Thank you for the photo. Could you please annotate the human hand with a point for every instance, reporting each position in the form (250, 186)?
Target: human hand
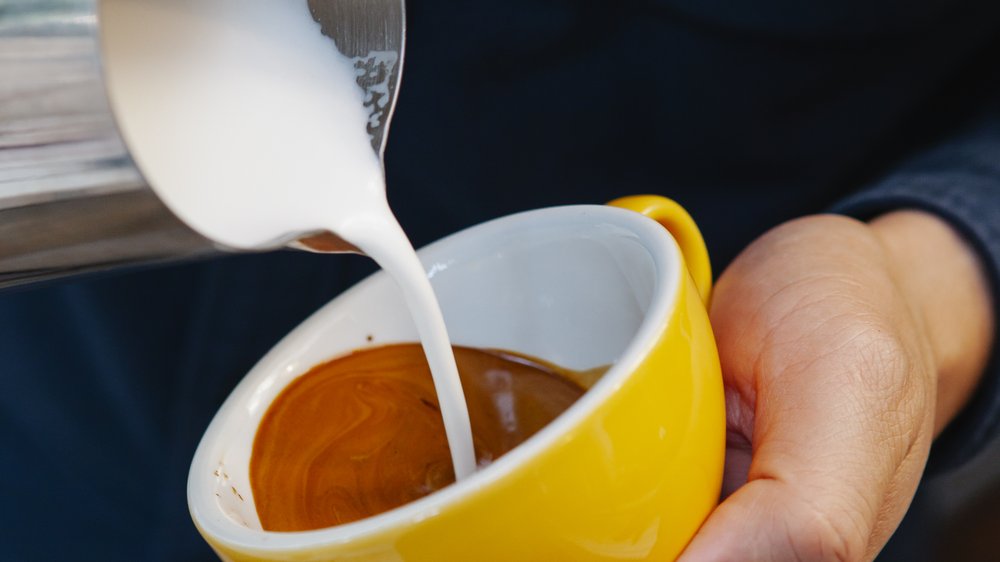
(845, 348)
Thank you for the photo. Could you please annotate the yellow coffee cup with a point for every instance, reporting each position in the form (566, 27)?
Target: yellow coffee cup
(629, 472)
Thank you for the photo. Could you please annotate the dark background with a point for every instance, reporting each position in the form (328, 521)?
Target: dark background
(748, 114)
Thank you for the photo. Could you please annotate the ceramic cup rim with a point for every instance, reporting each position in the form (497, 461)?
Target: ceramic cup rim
(668, 266)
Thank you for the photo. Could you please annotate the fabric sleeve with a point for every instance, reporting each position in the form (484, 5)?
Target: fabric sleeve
(960, 182)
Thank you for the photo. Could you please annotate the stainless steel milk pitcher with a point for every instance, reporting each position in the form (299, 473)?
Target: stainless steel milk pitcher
(71, 197)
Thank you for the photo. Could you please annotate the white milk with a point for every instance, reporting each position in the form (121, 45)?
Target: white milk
(249, 124)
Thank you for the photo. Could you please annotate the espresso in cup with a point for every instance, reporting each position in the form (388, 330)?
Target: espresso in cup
(362, 434)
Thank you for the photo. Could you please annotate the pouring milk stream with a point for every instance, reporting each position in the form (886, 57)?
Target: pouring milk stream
(249, 125)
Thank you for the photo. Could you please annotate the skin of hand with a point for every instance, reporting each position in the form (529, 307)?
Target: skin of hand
(846, 347)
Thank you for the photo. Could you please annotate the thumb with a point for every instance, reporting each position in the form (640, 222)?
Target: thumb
(833, 467)
(830, 384)
(838, 449)
(771, 520)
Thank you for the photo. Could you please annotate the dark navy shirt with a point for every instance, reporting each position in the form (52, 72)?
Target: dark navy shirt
(749, 114)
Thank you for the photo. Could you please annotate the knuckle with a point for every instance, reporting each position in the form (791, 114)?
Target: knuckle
(892, 372)
(891, 387)
(884, 364)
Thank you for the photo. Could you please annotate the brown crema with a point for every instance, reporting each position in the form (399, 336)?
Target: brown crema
(362, 434)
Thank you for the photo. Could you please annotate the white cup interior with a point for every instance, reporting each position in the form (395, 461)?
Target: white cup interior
(581, 287)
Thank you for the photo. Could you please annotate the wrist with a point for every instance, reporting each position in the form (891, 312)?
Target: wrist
(942, 279)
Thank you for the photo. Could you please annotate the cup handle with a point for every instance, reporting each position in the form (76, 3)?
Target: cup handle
(679, 223)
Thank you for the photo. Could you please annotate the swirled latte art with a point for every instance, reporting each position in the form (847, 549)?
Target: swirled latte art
(362, 434)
